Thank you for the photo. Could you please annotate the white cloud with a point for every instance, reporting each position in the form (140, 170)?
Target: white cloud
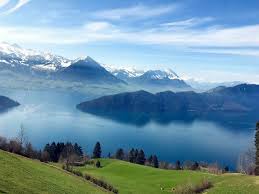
(138, 11)
(244, 39)
(188, 23)
(3, 2)
(98, 26)
(17, 6)
(247, 52)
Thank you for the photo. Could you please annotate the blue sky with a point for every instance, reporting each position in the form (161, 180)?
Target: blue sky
(206, 40)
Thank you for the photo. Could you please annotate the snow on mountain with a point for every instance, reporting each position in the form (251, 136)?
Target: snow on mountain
(20, 60)
(162, 74)
(14, 55)
(127, 72)
(130, 72)
(158, 78)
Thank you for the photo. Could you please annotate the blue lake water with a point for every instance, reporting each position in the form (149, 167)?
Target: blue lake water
(52, 116)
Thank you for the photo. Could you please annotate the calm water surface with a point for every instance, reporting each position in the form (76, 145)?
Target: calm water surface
(52, 116)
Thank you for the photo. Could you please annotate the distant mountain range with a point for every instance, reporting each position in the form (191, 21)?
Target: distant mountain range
(45, 65)
(157, 78)
(35, 63)
(6, 103)
(222, 100)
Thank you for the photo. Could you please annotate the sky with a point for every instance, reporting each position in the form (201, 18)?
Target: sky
(204, 40)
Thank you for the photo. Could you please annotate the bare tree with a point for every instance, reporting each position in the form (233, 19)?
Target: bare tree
(22, 138)
(246, 162)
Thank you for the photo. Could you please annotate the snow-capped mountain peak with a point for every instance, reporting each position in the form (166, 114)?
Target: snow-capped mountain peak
(14, 55)
(162, 74)
(16, 50)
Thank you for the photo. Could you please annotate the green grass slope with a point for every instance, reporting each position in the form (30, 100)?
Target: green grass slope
(132, 178)
(22, 175)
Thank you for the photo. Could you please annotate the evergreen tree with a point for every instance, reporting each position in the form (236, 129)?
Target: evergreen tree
(97, 150)
(155, 161)
(141, 158)
(178, 165)
(257, 150)
(195, 166)
(150, 160)
(132, 157)
(78, 150)
(119, 154)
(135, 155)
(226, 169)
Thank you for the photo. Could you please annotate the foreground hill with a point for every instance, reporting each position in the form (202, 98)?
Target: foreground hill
(137, 179)
(6, 103)
(22, 175)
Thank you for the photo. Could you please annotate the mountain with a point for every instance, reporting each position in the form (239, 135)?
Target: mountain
(238, 99)
(35, 63)
(126, 74)
(166, 78)
(17, 59)
(203, 85)
(6, 103)
(153, 78)
(87, 68)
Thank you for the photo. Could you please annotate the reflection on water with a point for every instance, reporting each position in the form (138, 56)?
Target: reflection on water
(53, 117)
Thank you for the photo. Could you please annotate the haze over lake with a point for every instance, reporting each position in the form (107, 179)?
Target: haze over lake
(51, 116)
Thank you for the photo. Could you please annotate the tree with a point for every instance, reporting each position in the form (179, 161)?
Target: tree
(141, 158)
(136, 155)
(44, 156)
(150, 160)
(132, 155)
(22, 135)
(246, 161)
(195, 166)
(155, 161)
(29, 151)
(119, 154)
(4, 143)
(97, 150)
(257, 150)
(78, 149)
(178, 165)
(226, 169)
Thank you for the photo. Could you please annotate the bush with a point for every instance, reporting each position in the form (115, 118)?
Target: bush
(99, 182)
(78, 173)
(98, 164)
(204, 185)
(193, 189)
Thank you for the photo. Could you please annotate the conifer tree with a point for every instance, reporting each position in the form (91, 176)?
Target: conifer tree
(257, 150)
(141, 158)
(132, 155)
(178, 165)
(119, 154)
(155, 161)
(97, 150)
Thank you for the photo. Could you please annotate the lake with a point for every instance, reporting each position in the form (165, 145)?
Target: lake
(51, 116)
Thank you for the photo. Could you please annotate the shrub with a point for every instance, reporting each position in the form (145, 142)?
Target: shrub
(193, 189)
(98, 164)
(78, 173)
(204, 185)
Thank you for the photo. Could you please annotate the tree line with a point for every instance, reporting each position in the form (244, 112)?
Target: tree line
(70, 153)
